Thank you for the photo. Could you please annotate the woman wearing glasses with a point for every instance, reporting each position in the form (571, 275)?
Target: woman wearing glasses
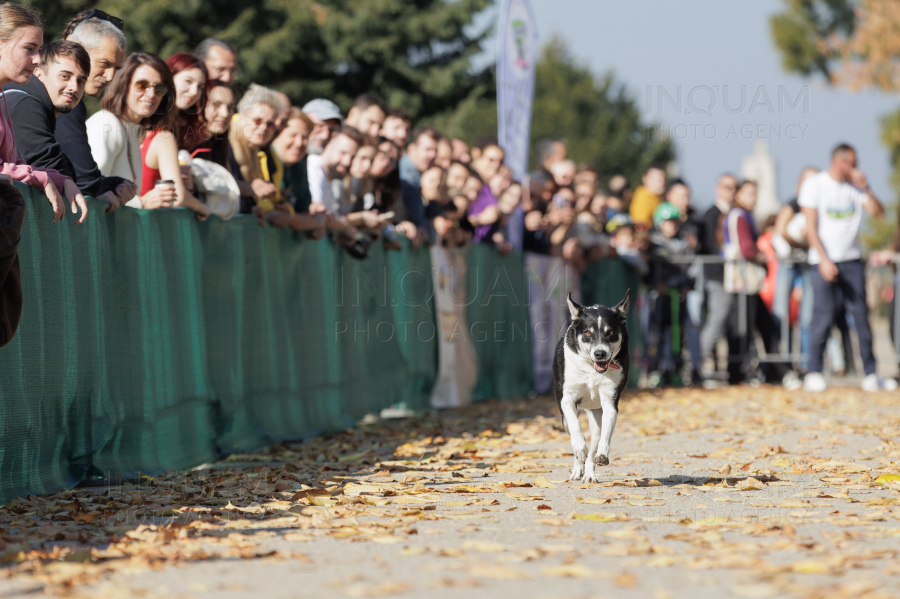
(132, 137)
(252, 129)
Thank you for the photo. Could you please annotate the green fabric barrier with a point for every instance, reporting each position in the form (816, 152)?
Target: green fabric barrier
(149, 342)
(497, 314)
(605, 282)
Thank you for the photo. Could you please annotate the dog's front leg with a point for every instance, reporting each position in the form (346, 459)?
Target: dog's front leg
(579, 447)
(608, 424)
(594, 426)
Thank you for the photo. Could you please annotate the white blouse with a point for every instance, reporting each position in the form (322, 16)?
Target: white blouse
(116, 148)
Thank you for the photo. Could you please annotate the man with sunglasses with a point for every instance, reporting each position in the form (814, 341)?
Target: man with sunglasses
(100, 34)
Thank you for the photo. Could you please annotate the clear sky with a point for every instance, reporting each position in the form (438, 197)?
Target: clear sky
(702, 46)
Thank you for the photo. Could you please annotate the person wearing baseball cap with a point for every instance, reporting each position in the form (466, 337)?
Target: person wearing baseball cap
(326, 118)
(664, 212)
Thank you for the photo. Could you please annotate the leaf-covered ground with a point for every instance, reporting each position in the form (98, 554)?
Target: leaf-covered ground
(736, 492)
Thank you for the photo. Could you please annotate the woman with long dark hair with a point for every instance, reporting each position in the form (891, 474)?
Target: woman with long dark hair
(133, 136)
(189, 76)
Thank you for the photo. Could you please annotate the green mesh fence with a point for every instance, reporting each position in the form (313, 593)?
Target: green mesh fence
(148, 342)
(497, 314)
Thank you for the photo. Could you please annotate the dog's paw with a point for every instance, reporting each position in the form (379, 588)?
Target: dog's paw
(601, 460)
(577, 471)
(589, 476)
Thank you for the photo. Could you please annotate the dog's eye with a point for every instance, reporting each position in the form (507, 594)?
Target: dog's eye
(587, 334)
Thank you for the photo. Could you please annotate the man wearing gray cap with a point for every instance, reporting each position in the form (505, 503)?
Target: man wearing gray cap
(327, 119)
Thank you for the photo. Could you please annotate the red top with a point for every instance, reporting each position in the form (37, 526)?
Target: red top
(149, 176)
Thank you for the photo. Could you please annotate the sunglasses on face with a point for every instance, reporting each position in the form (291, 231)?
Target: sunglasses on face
(142, 86)
(99, 14)
(258, 122)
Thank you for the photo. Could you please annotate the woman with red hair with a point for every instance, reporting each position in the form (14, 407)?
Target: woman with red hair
(190, 76)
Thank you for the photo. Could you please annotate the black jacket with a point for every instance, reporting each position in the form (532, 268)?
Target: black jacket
(34, 124)
(12, 214)
(709, 243)
(71, 134)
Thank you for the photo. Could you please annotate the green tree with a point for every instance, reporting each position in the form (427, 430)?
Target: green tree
(599, 121)
(415, 53)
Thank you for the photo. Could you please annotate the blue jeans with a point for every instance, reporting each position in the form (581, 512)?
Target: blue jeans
(849, 289)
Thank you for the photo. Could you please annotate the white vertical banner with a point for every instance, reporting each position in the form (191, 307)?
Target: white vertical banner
(516, 56)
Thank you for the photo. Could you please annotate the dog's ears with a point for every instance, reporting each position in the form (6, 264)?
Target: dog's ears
(622, 307)
(574, 309)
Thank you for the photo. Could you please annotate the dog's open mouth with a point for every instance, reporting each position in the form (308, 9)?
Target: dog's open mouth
(604, 366)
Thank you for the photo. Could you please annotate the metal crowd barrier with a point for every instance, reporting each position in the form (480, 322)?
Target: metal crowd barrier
(785, 355)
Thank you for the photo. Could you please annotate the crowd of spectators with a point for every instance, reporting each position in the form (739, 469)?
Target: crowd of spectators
(179, 133)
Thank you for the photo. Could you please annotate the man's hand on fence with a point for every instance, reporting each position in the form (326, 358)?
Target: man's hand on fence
(828, 270)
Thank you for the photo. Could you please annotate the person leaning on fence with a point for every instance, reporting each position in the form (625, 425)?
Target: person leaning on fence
(133, 136)
(55, 88)
(189, 75)
(21, 37)
(220, 107)
(326, 118)
(367, 114)
(252, 129)
(290, 149)
(105, 45)
(484, 212)
(421, 152)
(833, 202)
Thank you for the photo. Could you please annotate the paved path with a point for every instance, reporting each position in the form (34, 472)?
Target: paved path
(742, 492)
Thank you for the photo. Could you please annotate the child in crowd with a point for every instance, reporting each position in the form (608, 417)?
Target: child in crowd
(667, 284)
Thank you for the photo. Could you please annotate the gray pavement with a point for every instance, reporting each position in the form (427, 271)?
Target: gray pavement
(724, 493)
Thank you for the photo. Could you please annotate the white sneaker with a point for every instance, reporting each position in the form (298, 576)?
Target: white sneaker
(815, 382)
(870, 383)
(791, 381)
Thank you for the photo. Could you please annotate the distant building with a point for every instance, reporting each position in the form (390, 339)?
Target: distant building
(760, 167)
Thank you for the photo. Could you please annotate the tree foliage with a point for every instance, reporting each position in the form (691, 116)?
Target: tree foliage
(804, 30)
(415, 53)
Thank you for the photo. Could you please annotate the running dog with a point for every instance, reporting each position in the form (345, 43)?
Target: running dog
(590, 369)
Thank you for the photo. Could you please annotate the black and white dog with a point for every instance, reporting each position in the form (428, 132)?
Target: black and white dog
(590, 369)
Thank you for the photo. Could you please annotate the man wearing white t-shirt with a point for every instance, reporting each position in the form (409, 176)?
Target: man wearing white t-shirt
(833, 202)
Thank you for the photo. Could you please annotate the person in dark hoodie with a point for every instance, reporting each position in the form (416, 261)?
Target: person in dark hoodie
(56, 86)
(101, 35)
